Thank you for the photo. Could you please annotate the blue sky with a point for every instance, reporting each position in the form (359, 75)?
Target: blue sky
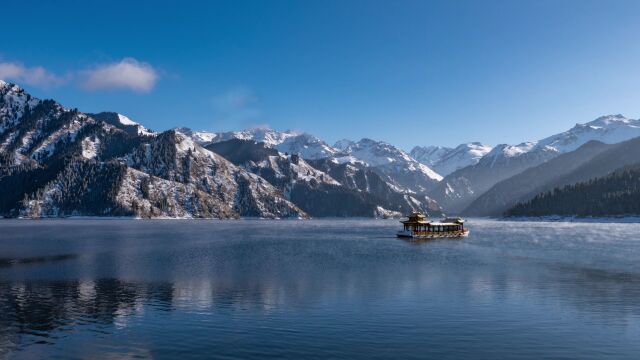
(407, 72)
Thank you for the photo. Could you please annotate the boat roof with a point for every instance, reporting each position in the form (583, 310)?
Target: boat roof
(453, 220)
(409, 221)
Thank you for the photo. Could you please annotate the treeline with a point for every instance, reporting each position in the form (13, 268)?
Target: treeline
(615, 194)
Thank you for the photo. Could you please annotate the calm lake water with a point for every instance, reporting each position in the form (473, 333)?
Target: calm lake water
(317, 289)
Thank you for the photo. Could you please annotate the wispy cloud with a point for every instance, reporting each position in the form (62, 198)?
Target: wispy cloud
(237, 98)
(128, 74)
(35, 76)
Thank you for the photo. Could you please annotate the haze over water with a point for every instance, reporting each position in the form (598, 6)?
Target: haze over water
(317, 289)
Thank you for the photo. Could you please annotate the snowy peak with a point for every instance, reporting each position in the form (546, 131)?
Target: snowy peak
(128, 122)
(475, 149)
(307, 146)
(201, 137)
(429, 155)
(606, 120)
(509, 151)
(343, 144)
(122, 122)
(13, 103)
(261, 134)
(377, 153)
(445, 160)
(396, 164)
(608, 129)
(291, 142)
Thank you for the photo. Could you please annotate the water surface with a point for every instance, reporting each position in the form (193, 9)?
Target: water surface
(317, 289)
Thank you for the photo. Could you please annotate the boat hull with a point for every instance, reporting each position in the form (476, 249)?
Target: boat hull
(432, 235)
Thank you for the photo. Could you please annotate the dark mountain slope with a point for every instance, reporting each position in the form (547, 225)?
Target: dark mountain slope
(613, 195)
(532, 181)
(313, 190)
(364, 179)
(459, 189)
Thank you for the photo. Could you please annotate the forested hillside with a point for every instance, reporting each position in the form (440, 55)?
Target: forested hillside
(614, 194)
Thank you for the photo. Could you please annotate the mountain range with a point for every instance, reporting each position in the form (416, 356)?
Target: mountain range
(56, 161)
(458, 190)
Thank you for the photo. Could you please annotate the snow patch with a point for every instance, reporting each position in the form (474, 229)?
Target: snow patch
(90, 146)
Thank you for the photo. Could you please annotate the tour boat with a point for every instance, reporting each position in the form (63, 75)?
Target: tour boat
(418, 226)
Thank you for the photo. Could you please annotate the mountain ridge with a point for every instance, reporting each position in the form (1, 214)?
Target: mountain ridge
(42, 142)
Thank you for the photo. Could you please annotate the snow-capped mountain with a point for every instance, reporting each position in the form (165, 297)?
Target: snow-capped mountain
(312, 186)
(343, 144)
(429, 155)
(460, 188)
(359, 177)
(57, 162)
(608, 129)
(31, 129)
(290, 142)
(446, 160)
(396, 166)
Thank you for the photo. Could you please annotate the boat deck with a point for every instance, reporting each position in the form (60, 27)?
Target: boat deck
(433, 234)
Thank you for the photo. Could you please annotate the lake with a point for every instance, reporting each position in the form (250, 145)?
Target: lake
(347, 289)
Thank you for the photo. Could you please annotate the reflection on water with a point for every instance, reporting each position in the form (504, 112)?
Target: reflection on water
(317, 289)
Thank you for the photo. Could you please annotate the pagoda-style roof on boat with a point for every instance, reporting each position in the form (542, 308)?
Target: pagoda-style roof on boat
(415, 218)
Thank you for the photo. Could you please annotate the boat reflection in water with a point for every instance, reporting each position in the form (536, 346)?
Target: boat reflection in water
(417, 226)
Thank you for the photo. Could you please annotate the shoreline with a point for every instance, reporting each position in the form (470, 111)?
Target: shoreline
(578, 219)
(133, 218)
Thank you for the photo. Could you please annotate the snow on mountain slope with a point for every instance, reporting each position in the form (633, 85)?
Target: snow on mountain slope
(366, 180)
(608, 129)
(175, 157)
(307, 146)
(122, 122)
(446, 160)
(397, 167)
(71, 163)
(30, 128)
(429, 155)
(343, 144)
(201, 137)
(128, 122)
(13, 103)
(379, 153)
(309, 186)
(280, 169)
(463, 186)
(290, 142)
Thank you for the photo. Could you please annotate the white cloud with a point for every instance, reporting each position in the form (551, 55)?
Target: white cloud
(35, 76)
(128, 74)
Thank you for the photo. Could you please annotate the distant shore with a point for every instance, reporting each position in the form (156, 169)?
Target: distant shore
(581, 219)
